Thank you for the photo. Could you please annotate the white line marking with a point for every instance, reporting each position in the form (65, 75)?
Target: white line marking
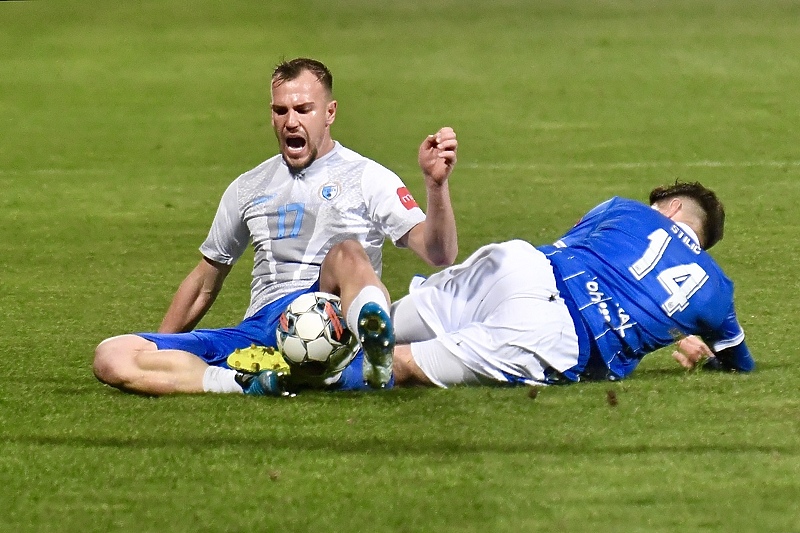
(631, 165)
(622, 165)
(101, 171)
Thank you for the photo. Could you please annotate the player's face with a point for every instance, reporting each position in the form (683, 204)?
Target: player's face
(302, 113)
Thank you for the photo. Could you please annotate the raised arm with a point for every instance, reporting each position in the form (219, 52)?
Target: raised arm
(194, 296)
(436, 240)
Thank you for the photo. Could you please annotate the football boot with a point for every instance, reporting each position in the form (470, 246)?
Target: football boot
(376, 335)
(257, 358)
(264, 383)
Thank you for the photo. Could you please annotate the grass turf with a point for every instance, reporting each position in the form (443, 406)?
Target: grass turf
(120, 125)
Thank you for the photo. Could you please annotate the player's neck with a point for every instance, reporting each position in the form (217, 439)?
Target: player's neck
(689, 230)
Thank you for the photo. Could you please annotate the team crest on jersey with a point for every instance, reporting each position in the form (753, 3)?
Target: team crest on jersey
(329, 191)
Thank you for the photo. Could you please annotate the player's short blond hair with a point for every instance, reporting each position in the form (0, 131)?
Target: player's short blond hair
(292, 69)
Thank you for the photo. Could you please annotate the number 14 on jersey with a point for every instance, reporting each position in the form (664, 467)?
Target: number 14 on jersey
(680, 282)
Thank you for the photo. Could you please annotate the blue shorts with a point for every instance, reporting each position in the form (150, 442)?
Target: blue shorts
(215, 345)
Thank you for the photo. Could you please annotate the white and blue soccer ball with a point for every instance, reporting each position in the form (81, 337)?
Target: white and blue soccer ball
(312, 335)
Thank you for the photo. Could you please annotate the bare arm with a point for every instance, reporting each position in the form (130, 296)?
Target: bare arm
(436, 240)
(194, 296)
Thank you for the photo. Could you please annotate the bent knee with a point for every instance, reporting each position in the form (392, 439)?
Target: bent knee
(347, 251)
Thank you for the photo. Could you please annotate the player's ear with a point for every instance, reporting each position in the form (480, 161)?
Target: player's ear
(330, 112)
(673, 207)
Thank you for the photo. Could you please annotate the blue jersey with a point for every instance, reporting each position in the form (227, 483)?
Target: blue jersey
(639, 281)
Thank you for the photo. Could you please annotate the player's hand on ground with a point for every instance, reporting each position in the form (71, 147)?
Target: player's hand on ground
(691, 350)
(437, 156)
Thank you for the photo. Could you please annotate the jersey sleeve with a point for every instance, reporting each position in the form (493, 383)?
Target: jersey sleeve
(390, 204)
(229, 236)
(735, 359)
(728, 334)
(727, 342)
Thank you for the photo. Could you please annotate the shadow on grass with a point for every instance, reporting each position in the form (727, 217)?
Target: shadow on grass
(677, 371)
(430, 446)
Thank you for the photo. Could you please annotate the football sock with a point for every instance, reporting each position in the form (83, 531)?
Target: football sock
(370, 293)
(218, 379)
(352, 377)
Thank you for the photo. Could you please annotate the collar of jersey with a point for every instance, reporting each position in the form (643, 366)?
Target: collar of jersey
(688, 230)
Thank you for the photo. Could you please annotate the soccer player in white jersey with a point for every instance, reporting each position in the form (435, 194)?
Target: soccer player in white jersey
(626, 280)
(314, 198)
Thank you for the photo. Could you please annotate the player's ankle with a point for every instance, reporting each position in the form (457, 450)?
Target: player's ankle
(218, 379)
(370, 293)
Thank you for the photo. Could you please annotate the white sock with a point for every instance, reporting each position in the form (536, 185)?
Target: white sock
(218, 379)
(370, 293)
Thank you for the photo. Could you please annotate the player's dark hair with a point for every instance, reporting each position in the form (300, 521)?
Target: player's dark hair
(290, 70)
(714, 220)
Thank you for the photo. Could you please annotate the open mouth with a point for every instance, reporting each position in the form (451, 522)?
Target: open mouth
(295, 143)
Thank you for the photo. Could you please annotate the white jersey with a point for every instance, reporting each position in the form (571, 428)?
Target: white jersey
(499, 312)
(294, 220)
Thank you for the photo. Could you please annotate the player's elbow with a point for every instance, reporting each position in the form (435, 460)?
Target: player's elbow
(444, 259)
(437, 248)
(442, 254)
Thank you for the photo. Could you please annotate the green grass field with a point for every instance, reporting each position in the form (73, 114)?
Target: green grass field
(122, 123)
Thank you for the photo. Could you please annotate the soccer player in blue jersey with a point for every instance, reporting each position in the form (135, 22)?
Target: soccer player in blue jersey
(315, 198)
(628, 279)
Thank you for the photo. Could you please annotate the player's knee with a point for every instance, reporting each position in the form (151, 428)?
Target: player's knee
(103, 365)
(110, 359)
(345, 262)
(348, 254)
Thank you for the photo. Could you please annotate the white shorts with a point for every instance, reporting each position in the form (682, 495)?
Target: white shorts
(497, 317)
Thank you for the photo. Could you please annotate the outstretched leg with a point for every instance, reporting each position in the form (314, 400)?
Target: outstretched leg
(134, 364)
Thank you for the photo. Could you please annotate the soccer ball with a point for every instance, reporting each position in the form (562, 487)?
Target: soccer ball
(313, 337)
